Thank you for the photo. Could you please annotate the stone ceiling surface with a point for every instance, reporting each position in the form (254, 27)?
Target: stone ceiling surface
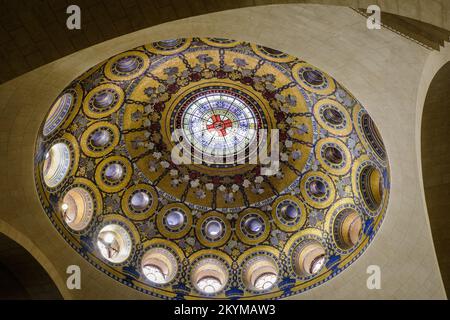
(33, 33)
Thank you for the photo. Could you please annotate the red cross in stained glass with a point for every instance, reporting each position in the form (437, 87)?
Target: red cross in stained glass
(219, 125)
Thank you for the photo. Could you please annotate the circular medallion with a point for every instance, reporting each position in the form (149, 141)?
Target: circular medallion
(369, 134)
(272, 54)
(371, 185)
(213, 229)
(115, 240)
(139, 202)
(113, 174)
(209, 273)
(333, 155)
(220, 42)
(312, 79)
(318, 189)
(63, 110)
(345, 223)
(332, 116)
(103, 100)
(260, 271)
(127, 66)
(168, 47)
(289, 213)
(99, 139)
(252, 226)
(174, 220)
(59, 162)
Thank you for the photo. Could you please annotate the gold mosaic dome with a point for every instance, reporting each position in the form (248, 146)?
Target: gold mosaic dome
(285, 185)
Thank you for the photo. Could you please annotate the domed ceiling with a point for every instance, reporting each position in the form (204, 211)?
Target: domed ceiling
(212, 168)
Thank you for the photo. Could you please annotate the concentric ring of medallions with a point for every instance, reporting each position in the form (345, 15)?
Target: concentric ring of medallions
(272, 54)
(200, 114)
(63, 110)
(88, 146)
(73, 155)
(144, 120)
(169, 47)
(244, 235)
(202, 232)
(116, 219)
(368, 133)
(127, 65)
(339, 168)
(281, 221)
(252, 253)
(103, 100)
(174, 232)
(314, 200)
(220, 42)
(175, 250)
(108, 185)
(97, 203)
(340, 129)
(330, 219)
(147, 210)
(312, 79)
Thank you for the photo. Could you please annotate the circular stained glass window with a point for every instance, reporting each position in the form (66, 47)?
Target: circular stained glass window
(114, 243)
(209, 276)
(77, 208)
(219, 123)
(58, 113)
(159, 266)
(56, 164)
(261, 273)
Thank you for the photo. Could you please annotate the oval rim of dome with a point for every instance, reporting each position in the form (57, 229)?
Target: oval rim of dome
(314, 210)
